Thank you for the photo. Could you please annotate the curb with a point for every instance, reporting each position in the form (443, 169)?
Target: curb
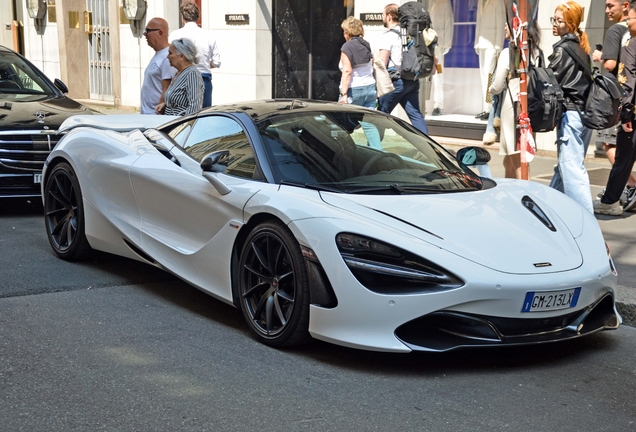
(626, 304)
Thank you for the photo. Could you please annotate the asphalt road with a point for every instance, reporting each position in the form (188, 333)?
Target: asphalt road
(116, 345)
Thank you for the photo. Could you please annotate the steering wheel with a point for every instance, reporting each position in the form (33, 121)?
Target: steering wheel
(375, 159)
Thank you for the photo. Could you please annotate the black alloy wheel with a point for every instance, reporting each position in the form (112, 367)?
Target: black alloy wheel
(273, 286)
(64, 214)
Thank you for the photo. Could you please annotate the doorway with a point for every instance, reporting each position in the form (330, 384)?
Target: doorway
(306, 46)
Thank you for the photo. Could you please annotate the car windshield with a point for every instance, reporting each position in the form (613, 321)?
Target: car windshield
(359, 152)
(19, 80)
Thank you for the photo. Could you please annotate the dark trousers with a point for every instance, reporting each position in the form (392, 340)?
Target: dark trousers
(407, 94)
(625, 156)
(207, 89)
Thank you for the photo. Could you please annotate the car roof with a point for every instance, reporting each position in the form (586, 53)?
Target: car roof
(262, 109)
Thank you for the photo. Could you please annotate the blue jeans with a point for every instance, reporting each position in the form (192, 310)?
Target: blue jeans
(495, 110)
(363, 96)
(407, 94)
(366, 96)
(570, 175)
(207, 89)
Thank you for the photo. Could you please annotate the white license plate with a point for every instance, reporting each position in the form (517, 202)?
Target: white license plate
(540, 301)
(37, 178)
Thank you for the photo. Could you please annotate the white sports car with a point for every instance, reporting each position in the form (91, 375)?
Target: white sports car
(333, 222)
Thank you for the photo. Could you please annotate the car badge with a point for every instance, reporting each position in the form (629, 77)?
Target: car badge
(543, 264)
(40, 116)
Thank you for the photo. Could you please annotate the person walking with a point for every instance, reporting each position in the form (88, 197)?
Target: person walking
(207, 50)
(356, 64)
(185, 93)
(158, 72)
(507, 88)
(407, 92)
(610, 56)
(573, 138)
(609, 203)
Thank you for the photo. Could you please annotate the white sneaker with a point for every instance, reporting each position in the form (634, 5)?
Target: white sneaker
(614, 209)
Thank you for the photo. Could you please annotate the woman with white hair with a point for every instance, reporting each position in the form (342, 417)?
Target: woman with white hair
(185, 93)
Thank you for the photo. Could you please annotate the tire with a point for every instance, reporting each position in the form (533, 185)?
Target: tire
(273, 286)
(64, 214)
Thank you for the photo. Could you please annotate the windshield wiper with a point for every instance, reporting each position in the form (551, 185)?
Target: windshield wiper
(399, 189)
(311, 186)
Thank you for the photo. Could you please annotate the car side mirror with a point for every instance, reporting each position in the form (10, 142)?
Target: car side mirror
(475, 156)
(60, 85)
(213, 164)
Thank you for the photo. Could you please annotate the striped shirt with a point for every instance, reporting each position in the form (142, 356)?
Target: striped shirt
(185, 93)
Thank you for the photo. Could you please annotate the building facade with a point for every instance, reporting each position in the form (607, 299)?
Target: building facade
(269, 48)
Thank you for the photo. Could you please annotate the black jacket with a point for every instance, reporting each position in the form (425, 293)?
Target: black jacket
(574, 81)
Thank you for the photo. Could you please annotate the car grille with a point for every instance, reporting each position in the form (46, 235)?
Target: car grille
(446, 330)
(26, 151)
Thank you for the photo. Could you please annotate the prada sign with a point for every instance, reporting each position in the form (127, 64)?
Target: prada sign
(371, 18)
(237, 19)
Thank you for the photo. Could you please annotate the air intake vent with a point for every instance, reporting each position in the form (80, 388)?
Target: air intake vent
(536, 210)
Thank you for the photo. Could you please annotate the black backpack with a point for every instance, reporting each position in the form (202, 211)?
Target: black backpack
(604, 99)
(417, 57)
(545, 97)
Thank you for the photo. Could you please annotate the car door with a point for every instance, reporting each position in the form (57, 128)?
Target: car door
(187, 225)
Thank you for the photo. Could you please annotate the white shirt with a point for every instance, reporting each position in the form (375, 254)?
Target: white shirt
(392, 42)
(206, 45)
(158, 69)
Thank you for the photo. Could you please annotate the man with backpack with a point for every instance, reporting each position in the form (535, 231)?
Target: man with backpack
(609, 57)
(609, 203)
(407, 92)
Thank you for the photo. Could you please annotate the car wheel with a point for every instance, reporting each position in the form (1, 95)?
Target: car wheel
(64, 214)
(273, 287)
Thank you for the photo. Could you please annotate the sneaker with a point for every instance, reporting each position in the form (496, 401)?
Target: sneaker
(437, 112)
(600, 194)
(609, 209)
(630, 198)
(482, 115)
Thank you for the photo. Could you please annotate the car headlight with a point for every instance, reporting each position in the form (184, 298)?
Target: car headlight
(386, 269)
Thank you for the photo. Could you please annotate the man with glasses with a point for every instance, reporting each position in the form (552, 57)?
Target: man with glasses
(158, 73)
(609, 57)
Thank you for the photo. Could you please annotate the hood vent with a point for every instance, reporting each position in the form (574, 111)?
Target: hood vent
(536, 210)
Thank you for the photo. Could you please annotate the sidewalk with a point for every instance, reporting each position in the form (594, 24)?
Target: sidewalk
(619, 232)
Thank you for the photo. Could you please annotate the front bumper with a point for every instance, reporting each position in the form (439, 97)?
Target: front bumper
(447, 330)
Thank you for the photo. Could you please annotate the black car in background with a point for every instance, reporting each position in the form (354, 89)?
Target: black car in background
(31, 110)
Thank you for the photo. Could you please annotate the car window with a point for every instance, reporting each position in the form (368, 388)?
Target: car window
(357, 151)
(215, 133)
(180, 132)
(18, 78)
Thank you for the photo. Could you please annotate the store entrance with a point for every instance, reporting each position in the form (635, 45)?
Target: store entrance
(307, 38)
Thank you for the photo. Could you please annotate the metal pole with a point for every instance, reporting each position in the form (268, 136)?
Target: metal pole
(523, 66)
(310, 63)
